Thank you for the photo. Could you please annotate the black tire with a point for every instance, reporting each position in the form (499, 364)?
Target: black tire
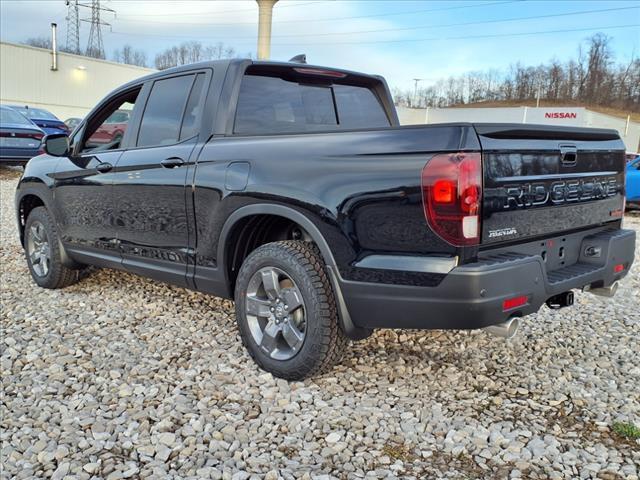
(324, 340)
(58, 275)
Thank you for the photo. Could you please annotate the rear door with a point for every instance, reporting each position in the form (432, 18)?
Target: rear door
(541, 180)
(151, 215)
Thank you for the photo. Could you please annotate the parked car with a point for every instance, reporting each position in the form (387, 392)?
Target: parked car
(633, 183)
(20, 138)
(293, 190)
(630, 156)
(112, 129)
(44, 119)
(72, 123)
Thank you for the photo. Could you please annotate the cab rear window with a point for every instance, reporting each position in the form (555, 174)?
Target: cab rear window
(274, 104)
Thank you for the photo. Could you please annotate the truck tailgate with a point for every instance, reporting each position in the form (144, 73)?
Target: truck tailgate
(541, 180)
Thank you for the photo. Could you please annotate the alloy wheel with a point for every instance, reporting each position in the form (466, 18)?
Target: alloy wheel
(275, 313)
(38, 249)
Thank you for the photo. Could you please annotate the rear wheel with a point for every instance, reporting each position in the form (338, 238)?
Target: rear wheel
(286, 311)
(42, 250)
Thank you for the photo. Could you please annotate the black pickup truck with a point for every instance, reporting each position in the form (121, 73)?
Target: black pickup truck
(292, 189)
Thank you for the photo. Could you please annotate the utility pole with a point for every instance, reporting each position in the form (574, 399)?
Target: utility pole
(415, 88)
(95, 47)
(73, 27)
(265, 13)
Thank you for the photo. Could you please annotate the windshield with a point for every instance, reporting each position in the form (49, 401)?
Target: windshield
(37, 113)
(10, 116)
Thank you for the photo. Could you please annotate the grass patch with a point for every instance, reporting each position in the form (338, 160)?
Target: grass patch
(626, 430)
(398, 452)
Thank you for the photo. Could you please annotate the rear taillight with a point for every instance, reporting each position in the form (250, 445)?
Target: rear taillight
(452, 192)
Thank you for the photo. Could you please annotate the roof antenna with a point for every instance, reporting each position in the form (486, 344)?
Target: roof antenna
(302, 58)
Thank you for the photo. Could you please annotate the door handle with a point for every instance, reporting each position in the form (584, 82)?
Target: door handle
(172, 162)
(104, 167)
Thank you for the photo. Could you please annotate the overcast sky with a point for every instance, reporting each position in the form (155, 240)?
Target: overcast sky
(399, 39)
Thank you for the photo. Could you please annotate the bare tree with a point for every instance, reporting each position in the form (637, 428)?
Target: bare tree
(44, 42)
(192, 52)
(127, 54)
(592, 78)
(40, 42)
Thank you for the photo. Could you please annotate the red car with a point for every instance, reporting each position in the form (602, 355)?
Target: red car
(113, 128)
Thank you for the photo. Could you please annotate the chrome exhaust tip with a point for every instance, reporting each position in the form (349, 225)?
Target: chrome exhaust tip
(505, 329)
(609, 291)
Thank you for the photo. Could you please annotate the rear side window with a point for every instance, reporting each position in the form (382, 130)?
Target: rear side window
(269, 104)
(194, 107)
(162, 116)
(358, 107)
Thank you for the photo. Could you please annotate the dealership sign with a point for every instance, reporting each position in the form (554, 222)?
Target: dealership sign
(575, 116)
(560, 115)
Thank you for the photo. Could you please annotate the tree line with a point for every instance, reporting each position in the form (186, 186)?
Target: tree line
(182, 54)
(193, 52)
(593, 77)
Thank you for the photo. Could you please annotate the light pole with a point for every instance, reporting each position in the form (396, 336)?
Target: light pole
(264, 28)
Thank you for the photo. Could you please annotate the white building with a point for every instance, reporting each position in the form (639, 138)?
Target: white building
(579, 117)
(79, 83)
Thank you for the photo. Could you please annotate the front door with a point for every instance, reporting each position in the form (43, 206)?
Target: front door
(151, 216)
(83, 188)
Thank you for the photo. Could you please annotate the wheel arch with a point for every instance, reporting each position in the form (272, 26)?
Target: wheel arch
(34, 196)
(312, 230)
(27, 199)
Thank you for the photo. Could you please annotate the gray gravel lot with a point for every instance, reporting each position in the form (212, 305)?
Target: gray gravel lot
(122, 377)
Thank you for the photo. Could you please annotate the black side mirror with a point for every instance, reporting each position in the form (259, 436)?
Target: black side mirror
(56, 144)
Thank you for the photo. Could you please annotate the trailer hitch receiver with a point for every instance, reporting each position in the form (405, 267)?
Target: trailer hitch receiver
(561, 300)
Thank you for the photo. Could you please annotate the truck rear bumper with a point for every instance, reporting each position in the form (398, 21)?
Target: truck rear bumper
(473, 295)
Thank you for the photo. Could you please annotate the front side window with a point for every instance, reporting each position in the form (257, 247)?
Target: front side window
(163, 113)
(271, 104)
(107, 129)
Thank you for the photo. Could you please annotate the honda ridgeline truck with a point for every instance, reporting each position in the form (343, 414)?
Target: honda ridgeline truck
(293, 190)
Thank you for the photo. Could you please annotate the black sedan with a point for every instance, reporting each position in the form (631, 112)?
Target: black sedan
(20, 138)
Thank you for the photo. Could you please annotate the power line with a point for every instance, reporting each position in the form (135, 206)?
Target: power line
(463, 37)
(200, 14)
(308, 20)
(478, 22)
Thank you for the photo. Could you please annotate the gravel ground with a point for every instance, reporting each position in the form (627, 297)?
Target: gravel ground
(122, 377)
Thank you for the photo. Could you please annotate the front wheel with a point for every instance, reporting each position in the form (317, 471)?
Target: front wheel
(286, 310)
(42, 250)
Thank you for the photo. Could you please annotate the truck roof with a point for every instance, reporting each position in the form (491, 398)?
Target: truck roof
(240, 61)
